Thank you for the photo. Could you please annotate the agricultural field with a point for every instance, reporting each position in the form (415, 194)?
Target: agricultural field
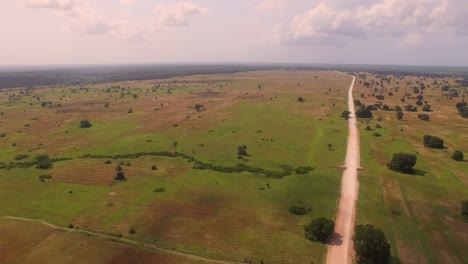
(419, 212)
(212, 165)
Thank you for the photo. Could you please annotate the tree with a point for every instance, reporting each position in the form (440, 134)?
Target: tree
(43, 162)
(346, 114)
(119, 176)
(330, 147)
(85, 124)
(371, 245)
(464, 208)
(402, 162)
(176, 144)
(457, 155)
(433, 142)
(242, 150)
(320, 229)
(300, 99)
(364, 113)
(399, 115)
(424, 117)
(199, 107)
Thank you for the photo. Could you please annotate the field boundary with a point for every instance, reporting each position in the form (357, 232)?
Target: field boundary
(126, 241)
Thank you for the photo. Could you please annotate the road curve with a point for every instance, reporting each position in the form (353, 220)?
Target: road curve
(340, 250)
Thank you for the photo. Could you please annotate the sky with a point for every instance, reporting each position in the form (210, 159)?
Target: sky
(396, 32)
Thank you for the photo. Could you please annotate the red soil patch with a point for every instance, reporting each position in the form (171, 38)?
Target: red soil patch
(93, 172)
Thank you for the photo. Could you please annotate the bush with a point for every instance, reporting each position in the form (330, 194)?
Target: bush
(427, 108)
(154, 167)
(464, 210)
(411, 108)
(298, 210)
(21, 156)
(377, 134)
(158, 190)
(457, 155)
(345, 114)
(423, 117)
(371, 245)
(399, 115)
(300, 99)
(45, 177)
(320, 229)
(402, 162)
(433, 142)
(303, 170)
(132, 231)
(43, 162)
(364, 113)
(85, 124)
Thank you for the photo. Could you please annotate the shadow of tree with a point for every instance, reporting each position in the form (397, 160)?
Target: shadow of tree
(336, 239)
(419, 172)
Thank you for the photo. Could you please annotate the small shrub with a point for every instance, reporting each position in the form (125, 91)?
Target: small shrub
(377, 134)
(303, 170)
(154, 167)
(132, 231)
(85, 124)
(45, 177)
(457, 155)
(378, 126)
(21, 156)
(159, 190)
(298, 210)
(423, 117)
(108, 162)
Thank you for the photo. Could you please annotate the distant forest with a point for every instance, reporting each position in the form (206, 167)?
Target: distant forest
(33, 76)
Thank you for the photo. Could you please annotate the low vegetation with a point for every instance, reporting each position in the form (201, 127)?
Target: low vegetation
(433, 142)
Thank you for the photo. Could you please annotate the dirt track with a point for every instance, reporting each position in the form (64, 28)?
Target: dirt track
(341, 249)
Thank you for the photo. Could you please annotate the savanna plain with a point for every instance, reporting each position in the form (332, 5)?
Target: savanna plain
(212, 165)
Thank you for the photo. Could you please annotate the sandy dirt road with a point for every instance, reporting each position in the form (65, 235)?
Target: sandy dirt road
(341, 251)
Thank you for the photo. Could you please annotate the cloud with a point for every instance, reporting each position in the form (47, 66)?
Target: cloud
(177, 15)
(336, 24)
(84, 20)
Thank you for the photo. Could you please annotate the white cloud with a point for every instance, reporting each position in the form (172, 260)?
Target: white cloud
(167, 16)
(84, 20)
(325, 24)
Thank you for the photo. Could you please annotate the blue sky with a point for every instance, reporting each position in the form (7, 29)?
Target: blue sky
(409, 32)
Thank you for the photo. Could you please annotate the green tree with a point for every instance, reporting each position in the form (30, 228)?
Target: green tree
(242, 150)
(402, 162)
(85, 124)
(371, 245)
(320, 229)
(433, 142)
(399, 115)
(457, 155)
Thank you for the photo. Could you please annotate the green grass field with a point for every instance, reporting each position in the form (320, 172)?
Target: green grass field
(420, 214)
(226, 216)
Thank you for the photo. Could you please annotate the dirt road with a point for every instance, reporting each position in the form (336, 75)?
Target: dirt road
(341, 249)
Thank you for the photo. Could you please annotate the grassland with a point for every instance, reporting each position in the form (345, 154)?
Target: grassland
(419, 213)
(225, 216)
